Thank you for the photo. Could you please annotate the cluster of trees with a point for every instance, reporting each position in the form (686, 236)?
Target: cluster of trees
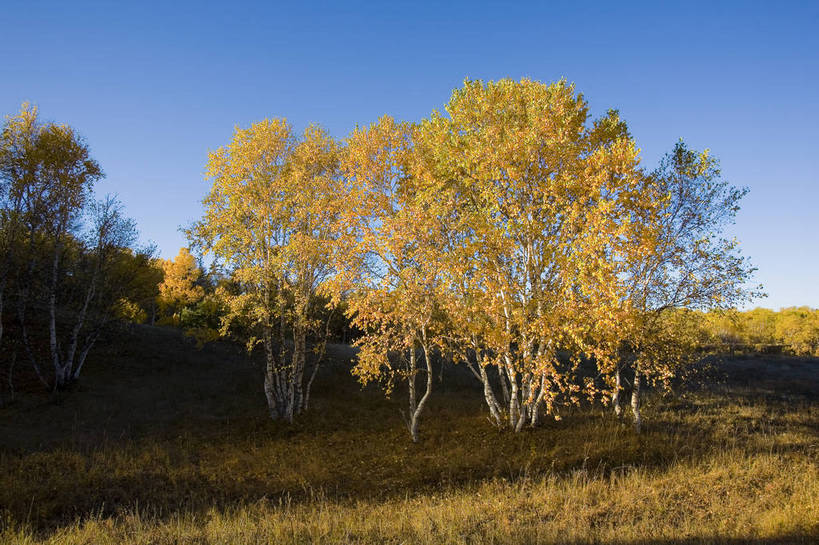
(69, 267)
(511, 233)
(792, 330)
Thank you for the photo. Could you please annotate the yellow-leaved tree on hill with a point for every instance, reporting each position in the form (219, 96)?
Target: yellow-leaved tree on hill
(179, 288)
(66, 258)
(269, 220)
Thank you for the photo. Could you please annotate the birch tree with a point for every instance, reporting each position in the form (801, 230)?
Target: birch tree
(18, 166)
(97, 289)
(268, 219)
(49, 176)
(67, 174)
(58, 244)
(692, 265)
(541, 201)
(388, 258)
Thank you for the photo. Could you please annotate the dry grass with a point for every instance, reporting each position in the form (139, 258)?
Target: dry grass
(164, 444)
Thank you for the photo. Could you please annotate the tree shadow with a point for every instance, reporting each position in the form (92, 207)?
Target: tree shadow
(186, 431)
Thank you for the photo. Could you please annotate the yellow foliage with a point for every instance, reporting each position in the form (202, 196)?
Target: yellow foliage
(129, 311)
(179, 288)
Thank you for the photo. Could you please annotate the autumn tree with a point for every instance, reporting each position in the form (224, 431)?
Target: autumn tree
(793, 330)
(19, 166)
(692, 265)
(48, 175)
(268, 218)
(179, 288)
(146, 273)
(58, 245)
(386, 258)
(798, 328)
(759, 327)
(539, 202)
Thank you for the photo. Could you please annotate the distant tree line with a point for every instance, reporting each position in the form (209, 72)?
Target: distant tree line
(793, 331)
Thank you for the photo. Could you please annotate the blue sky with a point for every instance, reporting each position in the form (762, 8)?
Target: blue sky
(154, 86)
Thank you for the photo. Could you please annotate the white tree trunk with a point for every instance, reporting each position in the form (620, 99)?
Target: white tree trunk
(313, 373)
(525, 412)
(59, 372)
(635, 402)
(536, 406)
(269, 378)
(504, 385)
(514, 404)
(489, 396)
(84, 354)
(284, 384)
(75, 332)
(411, 369)
(416, 410)
(615, 396)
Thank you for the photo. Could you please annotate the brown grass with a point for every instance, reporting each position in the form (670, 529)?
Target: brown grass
(166, 444)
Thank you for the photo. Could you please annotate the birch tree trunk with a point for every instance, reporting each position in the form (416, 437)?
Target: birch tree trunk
(313, 374)
(269, 380)
(615, 396)
(68, 364)
(536, 407)
(514, 407)
(525, 405)
(416, 410)
(284, 383)
(489, 396)
(84, 354)
(411, 368)
(635, 402)
(59, 372)
(319, 357)
(504, 386)
(417, 415)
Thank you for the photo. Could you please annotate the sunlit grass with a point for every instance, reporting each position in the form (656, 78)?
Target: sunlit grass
(731, 496)
(177, 449)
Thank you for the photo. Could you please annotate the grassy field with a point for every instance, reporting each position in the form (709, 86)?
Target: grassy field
(165, 444)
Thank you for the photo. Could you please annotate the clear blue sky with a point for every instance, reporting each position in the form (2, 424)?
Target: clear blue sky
(154, 86)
